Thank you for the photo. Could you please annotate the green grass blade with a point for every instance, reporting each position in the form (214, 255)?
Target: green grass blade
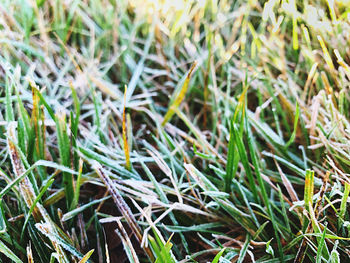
(8, 253)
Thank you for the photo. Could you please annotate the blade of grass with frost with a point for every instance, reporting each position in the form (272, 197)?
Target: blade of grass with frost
(202, 155)
(296, 118)
(80, 209)
(125, 139)
(180, 19)
(163, 198)
(342, 102)
(230, 208)
(284, 210)
(9, 109)
(140, 66)
(8, 253)
(321, 245)
(3, 225)
(58, 241)
(344, 200)
(24, 47)
(262, 128)
(97, 101)
(206, 228)
(279, 100)
(64, 150)
(243, 251)
(244, 158)
(31, 209)
(180, 97)
(278, 126)
(256, 44)
(334, 256)
(24, 116)
(242, 193)
(318, 234)
(287, 163)
(209, 36)
(26, 134)
(30, 169)
(75, 124)
(90, 155)
(18, 155)
(129, 131)
(127, 245)
(198, 134)
(232, 155)
(77, 185)
(256, 165)
(37, 242)
(14, 243)
(176, 165)
(122, 206)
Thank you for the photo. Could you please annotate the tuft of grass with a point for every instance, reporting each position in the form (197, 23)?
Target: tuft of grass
(114, 149)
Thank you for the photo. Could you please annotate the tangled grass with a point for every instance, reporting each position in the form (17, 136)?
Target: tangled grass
(174, 131)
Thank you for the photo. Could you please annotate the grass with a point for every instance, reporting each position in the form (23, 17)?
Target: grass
(174, 131)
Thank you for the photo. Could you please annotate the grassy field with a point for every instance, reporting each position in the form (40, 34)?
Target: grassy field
(174, 131)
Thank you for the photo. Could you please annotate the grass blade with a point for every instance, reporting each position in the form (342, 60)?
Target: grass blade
(125, 140)
(179, 98)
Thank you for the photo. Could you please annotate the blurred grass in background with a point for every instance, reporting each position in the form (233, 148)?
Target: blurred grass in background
(174, 131)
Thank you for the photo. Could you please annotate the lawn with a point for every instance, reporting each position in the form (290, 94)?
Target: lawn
(174, 131)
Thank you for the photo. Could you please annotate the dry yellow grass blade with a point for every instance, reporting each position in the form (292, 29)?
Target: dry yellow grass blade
(35, 115)
(309, 189)
(125, 140)
(241, 104)
(180, 97)
(87, 256)
(328, 60)
(30, 254)
(327, 57)
(328, 87)
(332, 12)
(341, 62)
